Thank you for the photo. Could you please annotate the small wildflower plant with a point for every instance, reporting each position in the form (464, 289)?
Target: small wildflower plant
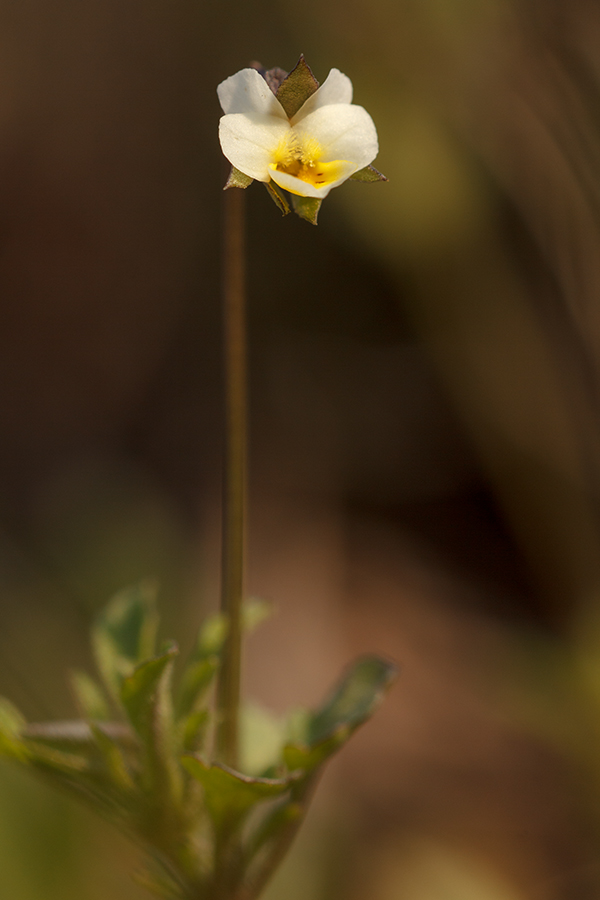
(141, 753)
(295, 136)
(178, 764)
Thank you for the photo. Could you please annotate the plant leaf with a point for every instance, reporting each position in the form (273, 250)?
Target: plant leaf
(229, 795)
(125, 634)
(89, 697)
(12, 724)
(352, 702)
(306, 207)
(205, 658)
(295, 90)
(146, 696)
(237, 179)
(368, 174)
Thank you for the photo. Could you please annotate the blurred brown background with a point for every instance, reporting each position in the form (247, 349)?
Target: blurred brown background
(425, 419)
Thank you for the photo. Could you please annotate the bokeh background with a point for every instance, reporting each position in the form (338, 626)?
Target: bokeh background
(425, 434)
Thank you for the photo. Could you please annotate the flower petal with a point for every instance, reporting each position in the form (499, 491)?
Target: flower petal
(248, 92)
(249, 142)
(337, 88)
(343, 132)
(304, 188)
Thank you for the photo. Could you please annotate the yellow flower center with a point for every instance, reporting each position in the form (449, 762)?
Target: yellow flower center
(300, 155)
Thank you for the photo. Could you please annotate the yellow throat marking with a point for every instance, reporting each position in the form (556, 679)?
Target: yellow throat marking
(300, 155)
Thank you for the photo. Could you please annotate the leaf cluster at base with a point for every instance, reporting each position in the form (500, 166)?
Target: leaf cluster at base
(140, 753)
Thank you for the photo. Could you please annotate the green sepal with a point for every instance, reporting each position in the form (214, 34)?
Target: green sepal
(237, 179)
(295, 90)
(306, 207)
(125, 634)
(352, 702)
(89, 697)
(278, 197)
(368, 174)
(229, 796)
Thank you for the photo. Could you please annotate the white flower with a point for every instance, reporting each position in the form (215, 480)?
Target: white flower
(327, 140)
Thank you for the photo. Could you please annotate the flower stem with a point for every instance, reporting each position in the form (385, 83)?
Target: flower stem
(234, 489)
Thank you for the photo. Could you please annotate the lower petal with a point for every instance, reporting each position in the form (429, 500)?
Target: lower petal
(321, 179)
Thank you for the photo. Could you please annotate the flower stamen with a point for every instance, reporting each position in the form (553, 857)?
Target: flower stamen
(299, 155)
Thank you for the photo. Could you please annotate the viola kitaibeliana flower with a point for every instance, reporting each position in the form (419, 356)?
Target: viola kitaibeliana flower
(291, 134)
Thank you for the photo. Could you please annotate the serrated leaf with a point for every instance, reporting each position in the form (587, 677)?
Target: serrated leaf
(278, 197)
(299, 756)
(306, 207)
(89, 697)
(352, 702)
(355, 699)
(237, 179)
(229, 795)
(140, 691)
(125, 634)
(146, 697)
(368, 174)
(295, 90)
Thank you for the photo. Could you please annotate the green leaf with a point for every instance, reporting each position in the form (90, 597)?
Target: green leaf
(237, 179)
(295, 90)
(113, 757)
(278, 197)
(89, 697)
(368, 174)
(125, 634)
(229, 795)
(12, 724)
(204, 660)
(140, 691)
(352, 702)
(146, 697)
(306, 207)
(194, 731)
(308, 758)
(355, 699)
(195, 681)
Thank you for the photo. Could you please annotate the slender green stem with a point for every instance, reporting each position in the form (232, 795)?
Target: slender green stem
(234, 490)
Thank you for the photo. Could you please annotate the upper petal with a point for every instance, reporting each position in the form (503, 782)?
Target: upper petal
(249, 141)
(337, 88)
(343, 132)
(248, 92)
